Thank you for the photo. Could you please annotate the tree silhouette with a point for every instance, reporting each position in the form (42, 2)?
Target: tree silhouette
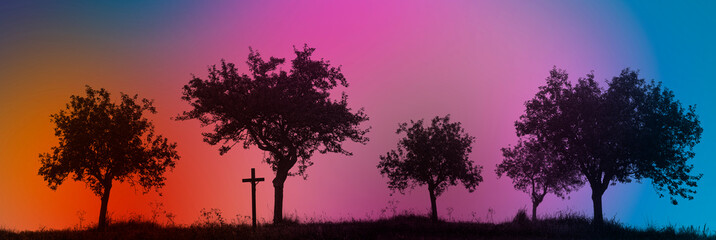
(630, 131)
(537, 169)
(102, 142)
(288, 114)
(436, 156)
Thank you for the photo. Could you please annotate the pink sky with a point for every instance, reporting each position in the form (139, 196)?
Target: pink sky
(478, 61)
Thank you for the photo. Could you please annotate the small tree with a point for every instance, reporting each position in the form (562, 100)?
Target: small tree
(288, 114)
(436, 156)
(102, 142)
(537, 170)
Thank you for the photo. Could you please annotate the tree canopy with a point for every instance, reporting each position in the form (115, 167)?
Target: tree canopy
(287, 114)
(436, 156)
(101, 142)
(632, 130)
(537, 169)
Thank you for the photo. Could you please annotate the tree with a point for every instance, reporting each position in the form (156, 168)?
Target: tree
(288, 114)
(436, 156)
(102, 142)
(631, 131)
(537, 170)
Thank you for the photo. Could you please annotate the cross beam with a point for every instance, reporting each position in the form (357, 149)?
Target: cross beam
(253, 180)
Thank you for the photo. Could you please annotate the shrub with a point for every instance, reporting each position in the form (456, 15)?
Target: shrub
(521, 217)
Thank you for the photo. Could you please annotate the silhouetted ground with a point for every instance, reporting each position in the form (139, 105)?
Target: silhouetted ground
(401, 227)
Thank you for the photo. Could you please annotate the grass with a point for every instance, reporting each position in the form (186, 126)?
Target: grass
(562, 226)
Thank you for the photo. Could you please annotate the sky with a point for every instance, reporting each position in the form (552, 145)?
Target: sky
(478, 61)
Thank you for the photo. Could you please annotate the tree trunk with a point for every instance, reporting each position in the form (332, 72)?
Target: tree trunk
(278, 196)
(103, 209)
(536, 200)
(433, 204)
(597, 193)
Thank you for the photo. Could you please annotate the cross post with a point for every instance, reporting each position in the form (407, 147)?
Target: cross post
(253, 180)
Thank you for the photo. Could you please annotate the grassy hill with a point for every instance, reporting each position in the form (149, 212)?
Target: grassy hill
(400, 227)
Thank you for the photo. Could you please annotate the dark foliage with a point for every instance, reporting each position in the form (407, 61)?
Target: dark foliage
(288, 114)
(436, 156)
(102, 142)
(630, 131)
(537, 169)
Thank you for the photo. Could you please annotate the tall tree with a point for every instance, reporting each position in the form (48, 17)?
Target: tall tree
(288, 114)
(632, 130)
(537, 169)
(102, 142)
(436, 156)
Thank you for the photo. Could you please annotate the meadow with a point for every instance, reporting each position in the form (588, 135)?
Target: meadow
(409, 226)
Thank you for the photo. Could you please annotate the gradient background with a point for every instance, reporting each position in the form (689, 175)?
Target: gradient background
(479, 61)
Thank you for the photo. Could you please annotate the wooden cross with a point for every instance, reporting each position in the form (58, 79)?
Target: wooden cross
(253, 180)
